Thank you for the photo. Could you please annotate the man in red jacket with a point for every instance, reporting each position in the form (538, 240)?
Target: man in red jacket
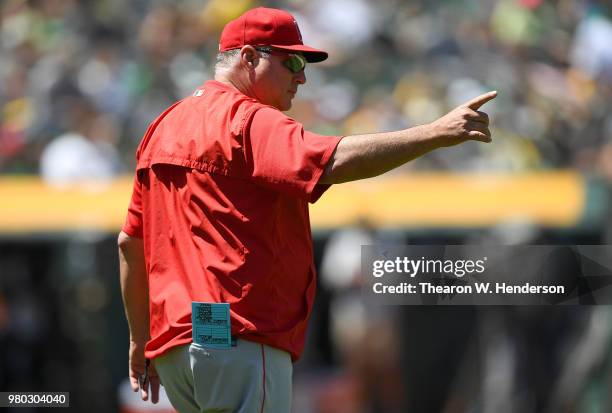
(219, 215)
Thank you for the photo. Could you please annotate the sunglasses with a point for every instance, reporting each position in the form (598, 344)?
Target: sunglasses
(294, 62)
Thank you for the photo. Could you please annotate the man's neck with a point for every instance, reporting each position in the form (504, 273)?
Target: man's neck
(235, 81)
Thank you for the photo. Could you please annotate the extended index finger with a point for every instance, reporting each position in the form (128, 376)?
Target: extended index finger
(477, 102)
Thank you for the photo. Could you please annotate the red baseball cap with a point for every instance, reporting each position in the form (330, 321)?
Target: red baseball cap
(268, 27)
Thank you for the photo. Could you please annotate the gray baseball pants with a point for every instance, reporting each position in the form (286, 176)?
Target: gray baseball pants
(248, 378)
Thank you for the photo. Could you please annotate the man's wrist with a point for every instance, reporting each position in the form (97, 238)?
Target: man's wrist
(430, 136)
(140, 341)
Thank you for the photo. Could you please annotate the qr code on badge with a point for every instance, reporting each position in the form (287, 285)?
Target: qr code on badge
(204, 313)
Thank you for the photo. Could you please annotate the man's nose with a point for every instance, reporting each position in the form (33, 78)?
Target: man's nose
(300, 77)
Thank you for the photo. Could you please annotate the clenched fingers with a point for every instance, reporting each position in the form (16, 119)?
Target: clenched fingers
(479, 131)
(478, 116)
(479, 136)
(477, 126)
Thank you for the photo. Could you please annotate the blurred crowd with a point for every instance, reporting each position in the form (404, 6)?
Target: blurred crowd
(81, 80)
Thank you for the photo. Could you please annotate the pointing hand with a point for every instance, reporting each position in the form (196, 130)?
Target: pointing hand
(464, 123)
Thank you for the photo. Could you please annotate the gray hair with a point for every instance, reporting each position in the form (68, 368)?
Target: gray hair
(226, 59)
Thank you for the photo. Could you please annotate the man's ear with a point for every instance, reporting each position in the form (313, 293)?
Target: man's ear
(249, 56)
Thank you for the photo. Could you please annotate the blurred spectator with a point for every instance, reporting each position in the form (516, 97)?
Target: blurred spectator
(87, 152)
(363, 337)
(73, 158)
